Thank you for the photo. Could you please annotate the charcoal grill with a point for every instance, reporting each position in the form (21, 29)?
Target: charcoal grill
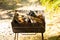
(28, 27)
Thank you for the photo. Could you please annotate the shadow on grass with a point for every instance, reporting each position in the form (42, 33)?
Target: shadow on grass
(8, 7)
(54, 38)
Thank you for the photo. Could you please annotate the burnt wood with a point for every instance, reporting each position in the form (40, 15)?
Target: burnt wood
(27, 27)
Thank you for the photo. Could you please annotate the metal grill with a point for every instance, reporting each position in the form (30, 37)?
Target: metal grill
(28, 27)
(19, 26)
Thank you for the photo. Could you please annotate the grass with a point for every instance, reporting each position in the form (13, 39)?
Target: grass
(54, 38)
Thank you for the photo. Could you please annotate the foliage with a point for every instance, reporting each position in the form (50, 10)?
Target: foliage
(52, 7)
(50, 4)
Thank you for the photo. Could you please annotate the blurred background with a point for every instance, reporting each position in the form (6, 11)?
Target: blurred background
(51, 12)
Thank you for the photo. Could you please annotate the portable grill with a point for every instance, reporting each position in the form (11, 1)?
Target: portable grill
(27, 21)
(28, 27)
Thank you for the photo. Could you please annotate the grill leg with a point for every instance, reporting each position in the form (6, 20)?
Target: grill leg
(42, 36)
(16, 36)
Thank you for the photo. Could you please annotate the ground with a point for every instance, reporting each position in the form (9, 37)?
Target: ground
(51, 33)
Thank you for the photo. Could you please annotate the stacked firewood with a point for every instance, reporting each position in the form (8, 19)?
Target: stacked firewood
(29, 18)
